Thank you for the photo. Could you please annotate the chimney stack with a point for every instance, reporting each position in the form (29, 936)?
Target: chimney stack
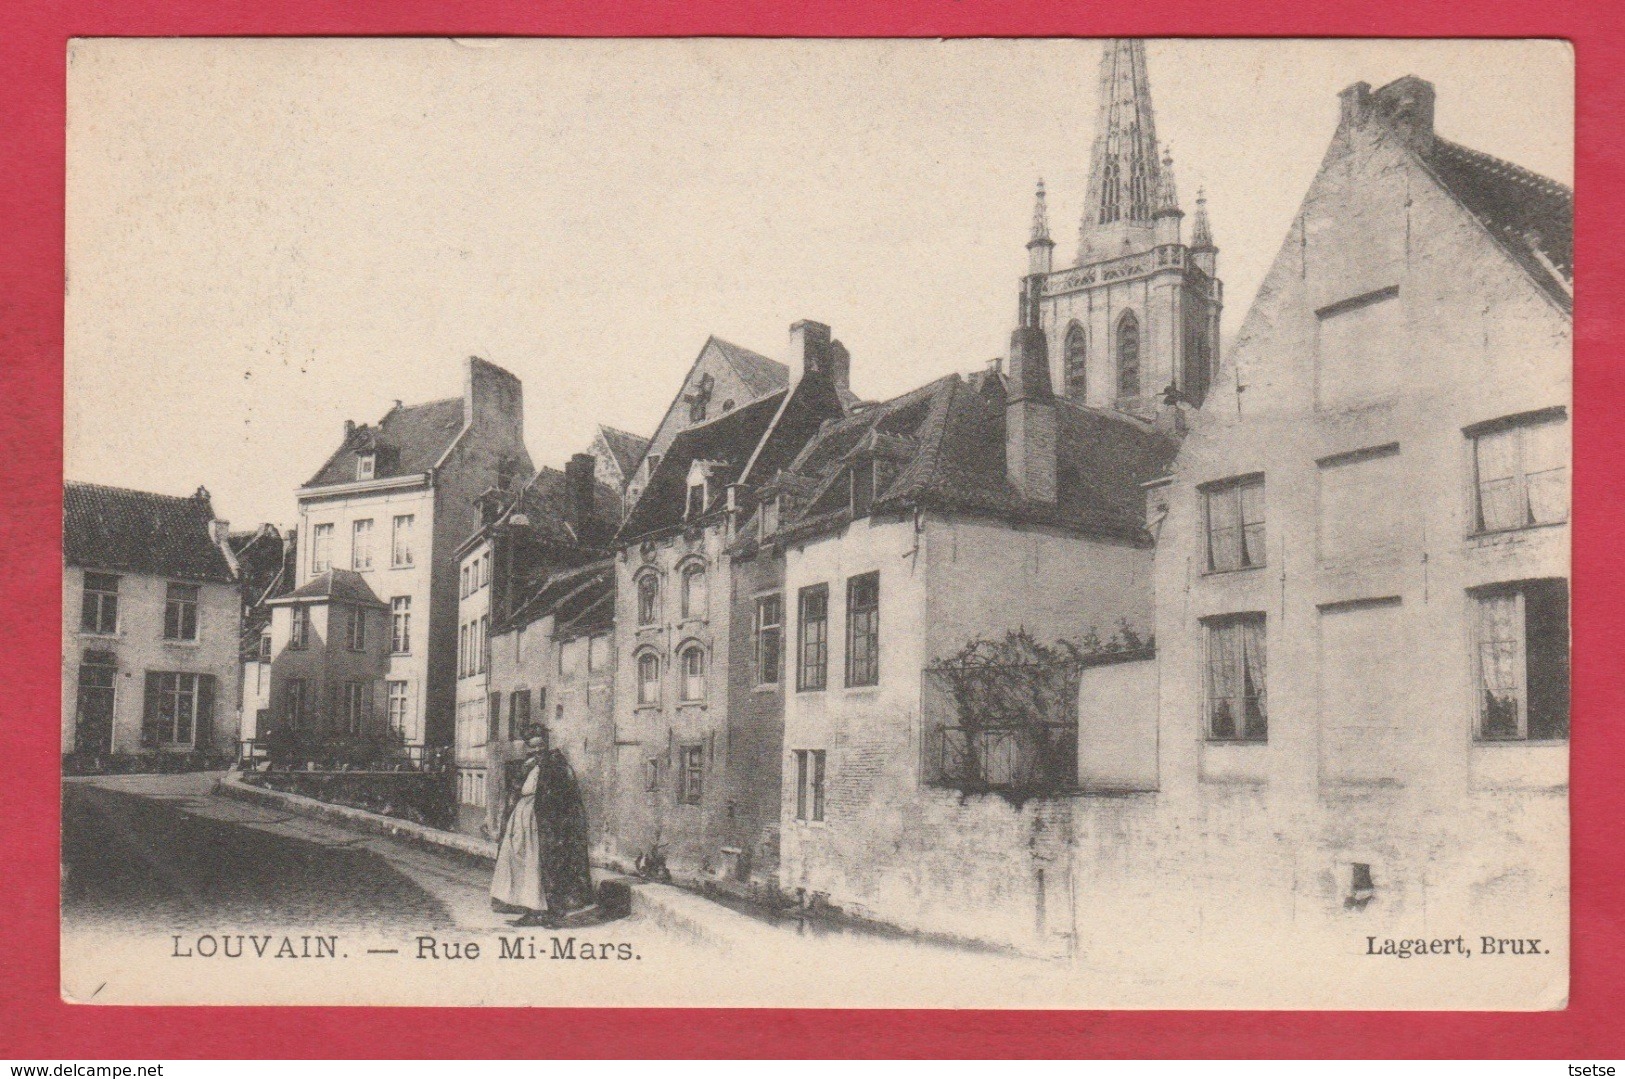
(1030, 426)
(812, 349)
(1406, 106)
(578, 473)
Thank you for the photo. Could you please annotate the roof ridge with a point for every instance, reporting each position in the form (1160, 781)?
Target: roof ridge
(130, 490)
(1512, 170)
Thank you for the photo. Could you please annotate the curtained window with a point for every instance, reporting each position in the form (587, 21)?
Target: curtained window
(1235, 524)
(1522, 637)
(1521, 475)
(1237, 698)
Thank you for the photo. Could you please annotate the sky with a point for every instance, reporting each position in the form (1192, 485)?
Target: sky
(269, 237)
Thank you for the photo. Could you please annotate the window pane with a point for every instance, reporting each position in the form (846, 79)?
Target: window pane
(1500, 659)
(1223, 541)
(1545, 465)
(1497, 464)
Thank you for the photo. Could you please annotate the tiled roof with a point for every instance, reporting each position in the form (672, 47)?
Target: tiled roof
(944, 444)
(546, 503)
(726, 441)
(626, 447)
(409, 440)
(334, 586)
(1530, 216)
(569, 594)
(762, 375)
(111, 528)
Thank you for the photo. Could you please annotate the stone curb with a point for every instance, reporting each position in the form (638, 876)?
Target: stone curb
(679, 912)
(467, 849)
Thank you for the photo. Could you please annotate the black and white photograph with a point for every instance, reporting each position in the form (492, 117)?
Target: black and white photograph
(1044, 523)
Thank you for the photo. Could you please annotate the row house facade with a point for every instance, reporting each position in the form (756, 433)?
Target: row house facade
(696, 739)
(1363, 580)
(553, 671)
(377, 568)
(151, 612)
(552, 522)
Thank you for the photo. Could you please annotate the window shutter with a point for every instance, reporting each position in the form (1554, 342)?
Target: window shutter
(149, 712)
(204, 732)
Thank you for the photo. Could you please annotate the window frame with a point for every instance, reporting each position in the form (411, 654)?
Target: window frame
(321, 548)
(762, 629)
(1075, 361)
(355, 707)
(296, 704)
(298, 627)
(183, 615)
(1128, 330)
(170, 695)
(651, 699)
(395, 693)
(361, 544)
(355, 629)
(1235, 487)
(690, 576)
(1212, 627)
(1519, 424)
(104, 599)
(400, 625)
(819, 665)
(1519, 592)
(869, 674)
(812, 786)
(691, 773)
(685, 653)
(400, 541)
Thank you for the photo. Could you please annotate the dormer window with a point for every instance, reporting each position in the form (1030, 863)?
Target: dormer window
(699, 490)
(366, 466)
(770, 516)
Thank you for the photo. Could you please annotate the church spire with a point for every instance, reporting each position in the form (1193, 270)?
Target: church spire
(1124, 173)
(1167, 196)
(1201, 231)
(1040, 248)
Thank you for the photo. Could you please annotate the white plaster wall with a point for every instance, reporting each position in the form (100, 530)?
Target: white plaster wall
(140, 647)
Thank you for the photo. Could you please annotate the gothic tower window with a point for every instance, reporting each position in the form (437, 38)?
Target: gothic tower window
(1075, 361)
(1198, 367)
(1128, 356)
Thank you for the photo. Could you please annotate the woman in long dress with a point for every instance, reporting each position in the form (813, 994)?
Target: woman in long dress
(517, 886)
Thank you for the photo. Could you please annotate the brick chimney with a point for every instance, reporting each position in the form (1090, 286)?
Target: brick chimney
(812, 349)
(578, 474)
(1030, 428)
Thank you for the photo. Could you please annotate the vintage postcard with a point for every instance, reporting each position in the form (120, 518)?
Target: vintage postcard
(987, 523)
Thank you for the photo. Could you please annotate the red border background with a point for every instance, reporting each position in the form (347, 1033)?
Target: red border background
(33, 38)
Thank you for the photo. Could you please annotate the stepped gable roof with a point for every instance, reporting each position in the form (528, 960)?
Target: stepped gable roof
(945, 445)
(120, 530)
(627, 448)
(727, 442)
(760, 374)
(334, 586)
(1530, 217)
(409, 440)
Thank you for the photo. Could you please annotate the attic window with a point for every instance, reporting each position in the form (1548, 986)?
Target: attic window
(770, 516)
(696, 499)
(366, 466)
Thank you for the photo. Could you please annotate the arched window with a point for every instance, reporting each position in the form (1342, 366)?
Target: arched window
(691, 661)
(1128, 356)
(648, 678)
(694, 591)
(648, 599)
(1075, 361)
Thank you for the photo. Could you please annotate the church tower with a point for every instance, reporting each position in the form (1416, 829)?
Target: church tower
(1137, 315)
